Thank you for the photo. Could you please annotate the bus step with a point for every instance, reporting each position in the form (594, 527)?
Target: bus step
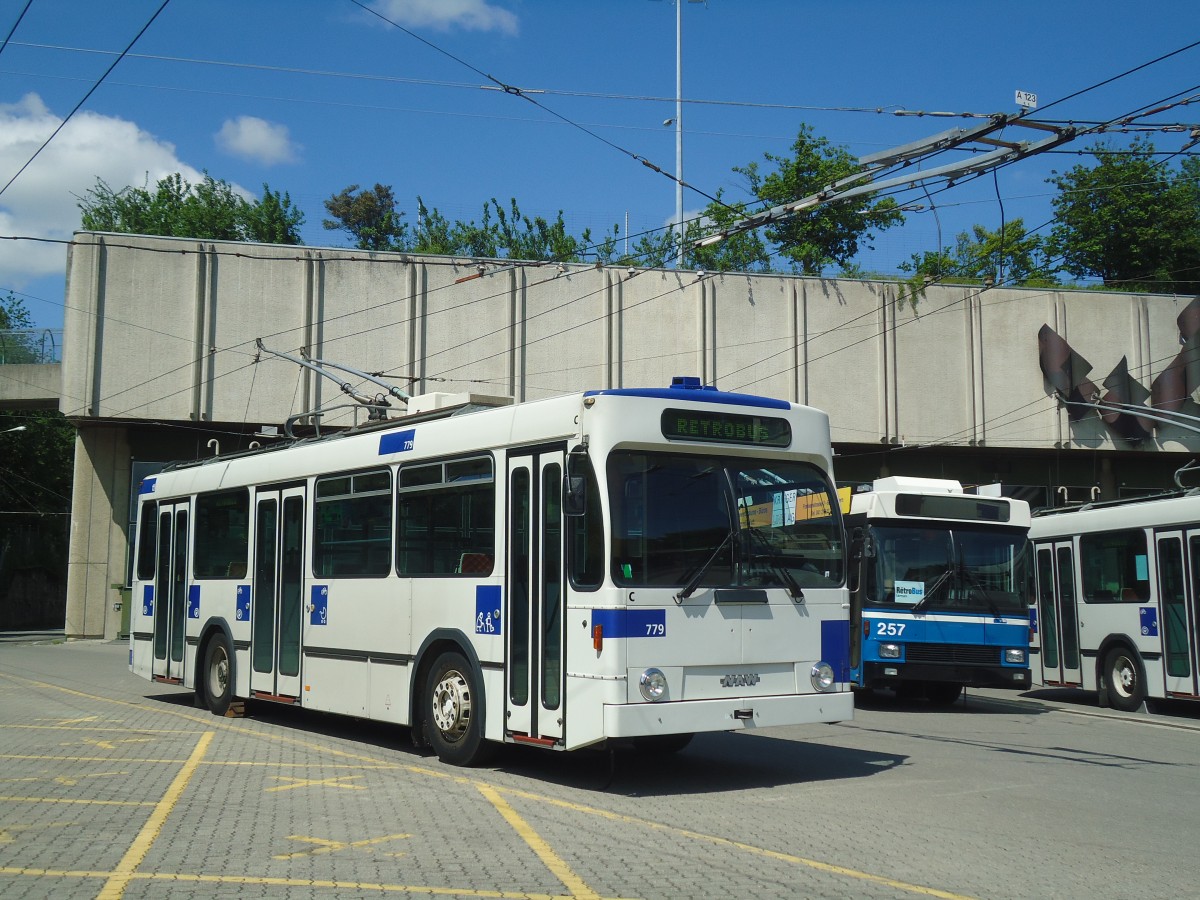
(275, 698)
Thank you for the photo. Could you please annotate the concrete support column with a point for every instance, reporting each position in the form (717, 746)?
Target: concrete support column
(99, 510)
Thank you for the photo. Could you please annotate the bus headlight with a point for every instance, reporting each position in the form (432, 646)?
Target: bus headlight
(889, 651)
(822, 676)
(1016, 656)
(653, 684)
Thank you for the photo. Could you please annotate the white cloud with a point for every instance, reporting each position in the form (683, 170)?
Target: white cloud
(444, 15)
(257, 139)
(43, 202)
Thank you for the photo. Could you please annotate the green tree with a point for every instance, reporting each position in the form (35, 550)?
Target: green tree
(1009, 256)
(16, 336)
(745, 251)
(829, 234)
(1130, 220)
(210, 210)
(370, 216)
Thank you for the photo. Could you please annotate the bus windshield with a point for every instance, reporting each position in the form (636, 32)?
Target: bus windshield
(746, 522)
(962, 569)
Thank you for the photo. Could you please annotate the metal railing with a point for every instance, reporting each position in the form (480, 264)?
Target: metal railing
(26, 346)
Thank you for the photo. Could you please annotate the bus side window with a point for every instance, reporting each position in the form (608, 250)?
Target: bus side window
(147, 541)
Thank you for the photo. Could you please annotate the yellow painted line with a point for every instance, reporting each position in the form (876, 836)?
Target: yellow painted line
(336, 782)
(814, 864)
(433, 773)
(38, 757)
(291, 882)
(114, 888)
(105, 759)
(327, 846)
(77, 802)
(94, 728)
(549, 858)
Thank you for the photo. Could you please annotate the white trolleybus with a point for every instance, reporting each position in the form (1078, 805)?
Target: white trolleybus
(938, 597)
(621, 564)
(1117, 609)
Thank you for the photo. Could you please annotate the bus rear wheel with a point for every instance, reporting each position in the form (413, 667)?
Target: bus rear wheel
(1123, 680)
(218, 675)
(454, 712)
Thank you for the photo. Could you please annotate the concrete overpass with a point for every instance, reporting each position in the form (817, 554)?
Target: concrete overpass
(160, 364)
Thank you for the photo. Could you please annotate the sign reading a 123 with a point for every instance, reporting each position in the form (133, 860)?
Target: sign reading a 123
(1027, 99)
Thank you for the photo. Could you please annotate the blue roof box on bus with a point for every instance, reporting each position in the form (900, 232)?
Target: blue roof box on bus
(689, 388)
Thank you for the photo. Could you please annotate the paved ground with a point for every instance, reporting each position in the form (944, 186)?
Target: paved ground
(112, 786)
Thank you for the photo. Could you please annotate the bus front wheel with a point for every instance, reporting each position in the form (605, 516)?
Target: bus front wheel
(1123, 680)
(454, 712)
(218, 675)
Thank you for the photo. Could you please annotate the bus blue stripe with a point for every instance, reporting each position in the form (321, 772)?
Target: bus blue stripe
(624, 623)
(835, 646)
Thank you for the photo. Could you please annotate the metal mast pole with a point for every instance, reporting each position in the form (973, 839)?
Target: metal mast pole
(679, 127)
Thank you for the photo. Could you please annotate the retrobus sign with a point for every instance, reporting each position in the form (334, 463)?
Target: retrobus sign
(725, 428)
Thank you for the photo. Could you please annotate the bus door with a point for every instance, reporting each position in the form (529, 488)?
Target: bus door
(534, 599)
(1177, 607)
(1058, 619)
(276, 612)
(170, 590)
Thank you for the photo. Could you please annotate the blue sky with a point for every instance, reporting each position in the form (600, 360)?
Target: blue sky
(311, 97)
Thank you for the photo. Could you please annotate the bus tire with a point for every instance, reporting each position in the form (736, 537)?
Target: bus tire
(943, 693)
(218, 675)
(661, 744)
(1123, 680)
(453, 719)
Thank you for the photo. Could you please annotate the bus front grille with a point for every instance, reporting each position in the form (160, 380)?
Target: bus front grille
(953, 654)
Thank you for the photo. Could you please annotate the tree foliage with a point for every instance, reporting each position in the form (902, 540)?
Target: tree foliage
(1130, 220)
(371, 218)
(1008, 256)
(17, 340)
(832, 233)
(209, 210)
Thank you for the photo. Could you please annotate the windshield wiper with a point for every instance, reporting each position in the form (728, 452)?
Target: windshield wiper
(789, 580)
(694, 582)
(932, 589)
(971, 580)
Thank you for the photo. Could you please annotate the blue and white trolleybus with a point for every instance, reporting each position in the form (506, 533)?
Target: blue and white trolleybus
(938, 589)
(619, 565)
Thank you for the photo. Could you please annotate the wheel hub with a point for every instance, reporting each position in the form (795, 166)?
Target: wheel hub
(452, 705)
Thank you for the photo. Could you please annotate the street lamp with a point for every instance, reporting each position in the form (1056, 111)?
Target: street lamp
(17, 428)
(679, 124)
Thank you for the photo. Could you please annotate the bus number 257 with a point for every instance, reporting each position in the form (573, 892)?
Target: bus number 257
(889, 629)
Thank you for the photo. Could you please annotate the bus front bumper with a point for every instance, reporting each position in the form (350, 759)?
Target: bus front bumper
(882, 674)
(726, 714)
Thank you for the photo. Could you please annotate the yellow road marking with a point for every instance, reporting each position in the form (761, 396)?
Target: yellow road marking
(91, 728)
(334, 846)
(738, 845)
(114, 888)
(433, 773)
(336, 782)
(291, 882)
(6, 834)
(63, 779)
(549, 858)
(77, 802)
(105, 745)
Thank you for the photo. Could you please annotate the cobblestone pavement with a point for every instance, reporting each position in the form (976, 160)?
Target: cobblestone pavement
(112, 786)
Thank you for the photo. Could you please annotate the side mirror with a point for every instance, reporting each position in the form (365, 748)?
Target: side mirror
(574, 495)
(574, 489)
(862, 545)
